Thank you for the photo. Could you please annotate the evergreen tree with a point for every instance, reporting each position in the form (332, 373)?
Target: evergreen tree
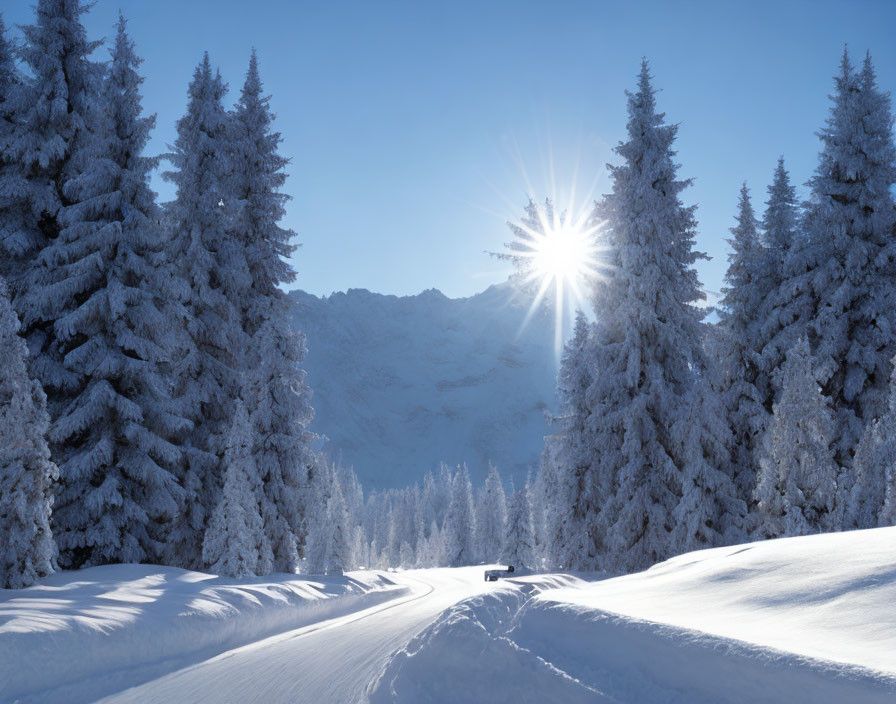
(337, 553)
(567, 456)
(458, 546)
(712, 509)
(786, 292)
(212, 265)
(875, 456)
(851, 219)
(51, 110)
(11, 177)
(106, 276)
(738, 351)
(235, 544)
(27, 473)
(797, 489)
(491, 518)
(647, 342)
(283, 452)
(519, 549)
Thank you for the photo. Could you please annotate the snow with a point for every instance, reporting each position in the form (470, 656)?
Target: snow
(805, 619)
(402, 383)
(80, 635)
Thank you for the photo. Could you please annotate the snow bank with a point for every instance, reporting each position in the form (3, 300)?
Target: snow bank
(808, 619)
(829, 597)
(81, 635)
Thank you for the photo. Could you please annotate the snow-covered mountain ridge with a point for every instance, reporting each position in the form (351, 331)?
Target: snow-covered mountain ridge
(402, 383)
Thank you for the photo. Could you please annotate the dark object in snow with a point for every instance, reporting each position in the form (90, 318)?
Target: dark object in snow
(494, 575)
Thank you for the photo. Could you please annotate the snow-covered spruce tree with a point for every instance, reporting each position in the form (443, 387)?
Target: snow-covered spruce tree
(647, 344)
(519, 544)
(787, 300)
(797, 489)
(851, 219)
(235, 544)
(27, 473)
(459, 530)
(283, 453)
(105, 279)
(337, 558)
(736, 344)
(875, 457)
(491, 518)
(11, 197)
(712, 508)
(48, 110)
(212, 264)
(567, 456)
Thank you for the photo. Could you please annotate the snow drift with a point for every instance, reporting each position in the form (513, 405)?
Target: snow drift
(807, 619)
(77, 636)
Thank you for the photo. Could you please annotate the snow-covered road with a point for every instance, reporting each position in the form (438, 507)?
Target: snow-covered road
(330, 661)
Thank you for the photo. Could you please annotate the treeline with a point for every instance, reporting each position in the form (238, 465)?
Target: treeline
(777, 420)
(152, 403)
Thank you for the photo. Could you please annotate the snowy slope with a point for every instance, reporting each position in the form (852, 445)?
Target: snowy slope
(402, 383)
(79, 635)
(794, 620)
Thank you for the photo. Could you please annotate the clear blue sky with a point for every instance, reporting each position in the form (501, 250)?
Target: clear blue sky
(407, 122)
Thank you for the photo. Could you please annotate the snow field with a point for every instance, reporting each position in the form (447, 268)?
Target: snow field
(78, 636)
(809, 619)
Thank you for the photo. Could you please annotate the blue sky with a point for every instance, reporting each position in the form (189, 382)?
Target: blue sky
(416, 129)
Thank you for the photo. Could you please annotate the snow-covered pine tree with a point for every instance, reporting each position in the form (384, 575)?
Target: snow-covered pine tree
(787, 299)
(337, 558)
(49, 109)
(712, 508)
(851, 219)
(797, 489)
(459, 530)
(212, 264)
(491, 518)
(105, 279)
(647, 343)
(27, 474)
(283, 453)
(519, 544)
(875, 457)
(736, 345)
(235, 544)
(566, 460)
(11, 211)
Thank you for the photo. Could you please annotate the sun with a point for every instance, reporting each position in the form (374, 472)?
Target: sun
(558, 258)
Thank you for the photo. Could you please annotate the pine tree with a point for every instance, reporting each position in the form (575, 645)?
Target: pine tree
(567, 456)
(459, 529)
(337, 559)
(283, 452)
(491, 518)
(11, 177)
(519, 549)
(50, 113)
(212, 265)
(27, 473)
(737, 343)
(647, 342)
(106, 274)
(851, 219)
(875, 456)
(235, 544)
(797, 489)
(786, 303)
(712, 509)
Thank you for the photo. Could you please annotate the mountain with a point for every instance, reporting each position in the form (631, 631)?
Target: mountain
(402, 383)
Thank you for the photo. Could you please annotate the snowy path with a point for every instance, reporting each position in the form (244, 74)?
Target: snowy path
(330, 661)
